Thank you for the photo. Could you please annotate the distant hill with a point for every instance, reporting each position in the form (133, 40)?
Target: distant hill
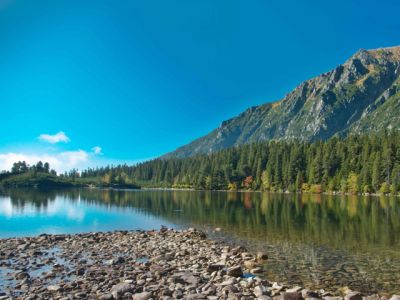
(361, 95)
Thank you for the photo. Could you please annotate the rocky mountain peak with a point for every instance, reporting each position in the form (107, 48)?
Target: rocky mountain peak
(362, 94)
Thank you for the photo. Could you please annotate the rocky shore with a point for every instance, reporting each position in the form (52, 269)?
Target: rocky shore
(164, 264)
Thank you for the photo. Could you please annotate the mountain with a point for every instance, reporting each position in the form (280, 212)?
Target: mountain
(359, 96)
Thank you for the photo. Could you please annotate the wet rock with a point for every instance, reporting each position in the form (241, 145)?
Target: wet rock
(250, 264)
(80, 271)
(235, 271)
(305, 293)
(262, 256)
(257, 270)
(353, 296)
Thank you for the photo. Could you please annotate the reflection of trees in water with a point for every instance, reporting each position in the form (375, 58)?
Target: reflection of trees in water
(308, 236)
(331, 220)
(38, 199)
(326, 219)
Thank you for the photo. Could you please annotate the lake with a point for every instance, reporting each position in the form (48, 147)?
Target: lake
(312, 240)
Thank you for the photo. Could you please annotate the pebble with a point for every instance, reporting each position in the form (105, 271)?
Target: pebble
(141, 265)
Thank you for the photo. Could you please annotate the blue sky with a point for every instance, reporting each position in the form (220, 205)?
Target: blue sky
(136, 79)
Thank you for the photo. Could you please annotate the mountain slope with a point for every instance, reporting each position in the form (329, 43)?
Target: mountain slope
(361, 95)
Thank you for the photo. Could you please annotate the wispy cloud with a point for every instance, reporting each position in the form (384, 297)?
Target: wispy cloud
(54, 139)
(97, 150)
(62, 161)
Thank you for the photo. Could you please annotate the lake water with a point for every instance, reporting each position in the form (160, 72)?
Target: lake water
(312, 240)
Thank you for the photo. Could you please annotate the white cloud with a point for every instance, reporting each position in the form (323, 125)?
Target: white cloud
(54, 139)
(63, 161)
(97, 150)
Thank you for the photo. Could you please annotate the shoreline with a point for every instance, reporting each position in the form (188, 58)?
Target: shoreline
(126, 188)
(155, 264)
(333, 193)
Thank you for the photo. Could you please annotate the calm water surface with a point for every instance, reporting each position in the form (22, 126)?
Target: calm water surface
(312, 240)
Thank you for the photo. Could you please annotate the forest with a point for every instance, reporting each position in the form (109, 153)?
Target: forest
(368, 163)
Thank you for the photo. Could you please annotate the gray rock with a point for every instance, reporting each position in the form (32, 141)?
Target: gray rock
(260, 290)
(120, 289)
(289, 296)
(215, 267)
(53, 288)
(142, 296)
(196, 296)
(106, 297)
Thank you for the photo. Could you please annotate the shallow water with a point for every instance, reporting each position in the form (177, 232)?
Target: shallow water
(312, 240)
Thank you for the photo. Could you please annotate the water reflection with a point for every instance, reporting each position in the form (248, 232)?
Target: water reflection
(315, 240)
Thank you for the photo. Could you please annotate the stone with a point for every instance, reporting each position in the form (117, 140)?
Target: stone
(142, 296)
(80, 271)
(257, 270)
(230, 281)
(353, 296)
(235, 271)
(260, 290)
(262, 256)
(295, 289)
(375, 297)
(250, 264)
(120, 289)
(196, 296)
(53, 288)
(289, 296)
(395, 297)
(215, 267)
(106, 297)
(276, 286)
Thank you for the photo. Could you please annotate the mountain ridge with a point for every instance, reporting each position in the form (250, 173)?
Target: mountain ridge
(358, 96)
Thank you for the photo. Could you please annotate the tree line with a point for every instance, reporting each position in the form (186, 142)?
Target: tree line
(355, 164)
(367, 163)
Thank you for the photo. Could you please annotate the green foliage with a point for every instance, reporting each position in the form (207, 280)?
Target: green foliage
(357, 163)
